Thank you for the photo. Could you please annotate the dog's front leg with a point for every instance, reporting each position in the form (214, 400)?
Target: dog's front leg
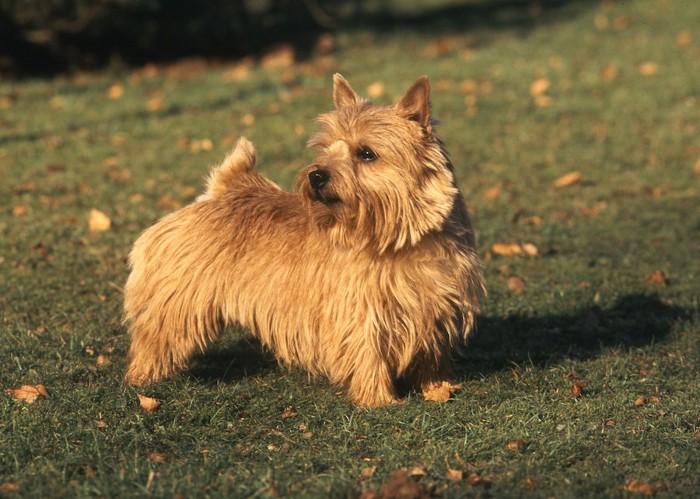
(372, 384)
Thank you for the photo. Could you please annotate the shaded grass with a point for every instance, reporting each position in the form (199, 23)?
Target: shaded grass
(225, 427)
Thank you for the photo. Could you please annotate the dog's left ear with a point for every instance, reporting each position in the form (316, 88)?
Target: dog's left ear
(415, 104)
(343, 94)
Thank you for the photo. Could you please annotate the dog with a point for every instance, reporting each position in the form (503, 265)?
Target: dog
(366, 273)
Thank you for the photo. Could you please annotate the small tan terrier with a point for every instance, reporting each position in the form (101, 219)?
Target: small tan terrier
(366, 274)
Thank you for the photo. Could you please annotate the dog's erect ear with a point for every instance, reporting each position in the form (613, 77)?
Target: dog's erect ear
(343, 94)
(415, 104)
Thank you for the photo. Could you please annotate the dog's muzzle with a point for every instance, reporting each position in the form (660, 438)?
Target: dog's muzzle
(318, 179)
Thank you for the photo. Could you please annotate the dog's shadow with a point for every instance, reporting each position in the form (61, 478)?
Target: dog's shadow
(499, 342)
(236, 356)
(634, 321)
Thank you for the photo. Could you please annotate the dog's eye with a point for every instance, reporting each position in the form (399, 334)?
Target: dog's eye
(366, 154)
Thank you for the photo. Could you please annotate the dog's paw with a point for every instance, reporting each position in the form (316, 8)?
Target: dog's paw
(440, 391)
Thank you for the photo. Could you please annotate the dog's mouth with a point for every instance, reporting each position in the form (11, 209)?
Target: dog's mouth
(324, 197)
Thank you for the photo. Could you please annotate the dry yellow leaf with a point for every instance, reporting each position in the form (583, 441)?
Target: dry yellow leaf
(468, 86)
(281, 56)
(103, 361)
(289, 412)
(248, 119)
(115, 90)
(492, 194)
(511, 248)
(543, 100)
(659, 278)
(19, 211)
(155, 103)
(28, 393)
(5, 102)
(608, 72)
(645, 488)
(516, 444)
(148, 404)
(475, 480)
(456, 475)
(376, 89)
(570, 178)
(506, 249)
(696, 168)
(98, 221)
(7, 487)
(516, 284)
(157, 457)
(539, 87)
(684, 38)
(440, 392)
(418, 471)
(368, 472)
(648, 69)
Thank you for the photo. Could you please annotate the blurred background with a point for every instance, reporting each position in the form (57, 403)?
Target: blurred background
(44, 36)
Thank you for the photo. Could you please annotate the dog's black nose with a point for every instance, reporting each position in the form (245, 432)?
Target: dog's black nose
(318, 179)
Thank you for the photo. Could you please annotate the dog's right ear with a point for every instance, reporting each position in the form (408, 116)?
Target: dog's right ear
(343, 94)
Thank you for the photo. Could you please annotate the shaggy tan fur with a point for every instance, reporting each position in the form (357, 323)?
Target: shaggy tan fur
(367, 274)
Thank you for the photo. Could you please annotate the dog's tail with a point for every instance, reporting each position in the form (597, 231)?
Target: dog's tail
(239, 161)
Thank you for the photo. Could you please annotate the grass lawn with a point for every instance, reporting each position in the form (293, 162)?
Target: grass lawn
(575, 130)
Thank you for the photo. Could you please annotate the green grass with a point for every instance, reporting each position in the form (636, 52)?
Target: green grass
(586, 306)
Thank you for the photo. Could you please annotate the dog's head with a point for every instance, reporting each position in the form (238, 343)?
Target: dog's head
(381, 177)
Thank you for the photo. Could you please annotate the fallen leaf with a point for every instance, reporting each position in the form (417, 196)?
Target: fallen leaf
(539, 87)
(531, 484)
(608, 72)
(115, 90)
(100, 423)
(325, 44)
(28, 393)
(147, 403)
(98, 221)
(19, 211)
(103, 361)
(543, 100)
(440, 392)
(516, 284)
(684, 38)
(281, 56)
(477, 481)
(512, 248)
(157, 457)
(658, 278)
(376, 89)
(456, 475)
(289, 412)
(418, 471)
(645, 488)
(696, 168)
(155, 103)
(367, 472)
(570, 178)
(492, 194)
(577, 388)
(621, 22)
(400, 485)
(648, 69)
(8, 487)
(516, 444)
